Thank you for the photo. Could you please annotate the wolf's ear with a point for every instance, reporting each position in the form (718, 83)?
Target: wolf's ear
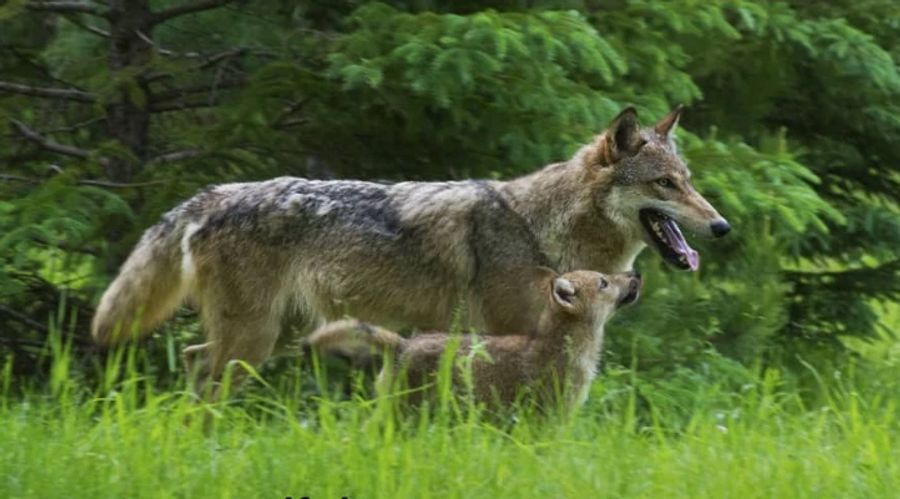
(624, 134)
(667, 124)
(563, 293)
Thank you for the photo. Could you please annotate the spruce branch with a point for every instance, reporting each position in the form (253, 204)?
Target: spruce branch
(182, 10)
(52, 146)
(47, 92)
(67, 7)
(171, 157)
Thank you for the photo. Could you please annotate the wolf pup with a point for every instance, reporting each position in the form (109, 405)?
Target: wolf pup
(560, 358)
(254, 256)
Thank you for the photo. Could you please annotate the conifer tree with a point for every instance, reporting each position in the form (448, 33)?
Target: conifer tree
(113, 112)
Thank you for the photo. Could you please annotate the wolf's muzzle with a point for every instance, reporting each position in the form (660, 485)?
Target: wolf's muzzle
(720, 227)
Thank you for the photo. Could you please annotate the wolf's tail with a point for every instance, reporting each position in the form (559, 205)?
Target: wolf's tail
(348, 336)
(147, 290)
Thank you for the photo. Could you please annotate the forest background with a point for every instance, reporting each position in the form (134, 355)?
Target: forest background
(112, 112)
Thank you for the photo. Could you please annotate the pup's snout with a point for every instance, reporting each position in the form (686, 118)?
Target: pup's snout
(720, 227)
(633, 290)
(636, 283)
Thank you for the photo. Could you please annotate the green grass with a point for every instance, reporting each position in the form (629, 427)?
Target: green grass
(124, 437)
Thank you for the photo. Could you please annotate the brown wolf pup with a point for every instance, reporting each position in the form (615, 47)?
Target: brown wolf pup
(560, 358)
(256, 256)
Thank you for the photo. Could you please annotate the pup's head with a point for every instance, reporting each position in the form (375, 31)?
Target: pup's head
(592, 296)
(646, 187)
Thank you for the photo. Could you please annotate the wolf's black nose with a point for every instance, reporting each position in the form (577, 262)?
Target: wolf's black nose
(719, 228)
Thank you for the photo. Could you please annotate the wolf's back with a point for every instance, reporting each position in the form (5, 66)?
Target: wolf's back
(148, 288)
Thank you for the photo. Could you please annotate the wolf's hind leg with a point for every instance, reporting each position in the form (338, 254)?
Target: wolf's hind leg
(246, 338)
(195, 359)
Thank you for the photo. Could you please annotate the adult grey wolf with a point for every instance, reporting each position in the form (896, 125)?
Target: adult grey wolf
(253, 255)
(558, 360)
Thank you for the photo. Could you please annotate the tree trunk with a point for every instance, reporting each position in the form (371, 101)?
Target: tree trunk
(128, 116)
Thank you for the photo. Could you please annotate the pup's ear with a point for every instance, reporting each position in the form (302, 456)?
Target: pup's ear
(624, 134)
(563, 293)
(667, 124)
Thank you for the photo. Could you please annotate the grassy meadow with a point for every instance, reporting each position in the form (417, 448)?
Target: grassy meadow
(122, 435)
(773, 372)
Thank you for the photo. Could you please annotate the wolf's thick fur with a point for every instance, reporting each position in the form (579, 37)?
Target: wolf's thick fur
(252, 255)
(560, 358)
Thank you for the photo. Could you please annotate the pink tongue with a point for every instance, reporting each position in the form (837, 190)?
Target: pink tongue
(677, 243)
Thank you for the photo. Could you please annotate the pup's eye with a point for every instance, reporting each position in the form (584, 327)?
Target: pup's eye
(603, 284)
(664, 182)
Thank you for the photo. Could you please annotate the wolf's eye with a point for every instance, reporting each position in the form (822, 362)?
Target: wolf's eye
(664, 182)
(603, 284)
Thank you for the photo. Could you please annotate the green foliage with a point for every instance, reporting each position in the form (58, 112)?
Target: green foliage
(515, 89)
(791, 131)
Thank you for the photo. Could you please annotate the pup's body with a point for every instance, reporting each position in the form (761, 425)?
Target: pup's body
(559, 359)
(253, 256)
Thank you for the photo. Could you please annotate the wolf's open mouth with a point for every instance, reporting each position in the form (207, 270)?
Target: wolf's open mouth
(668, 239)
